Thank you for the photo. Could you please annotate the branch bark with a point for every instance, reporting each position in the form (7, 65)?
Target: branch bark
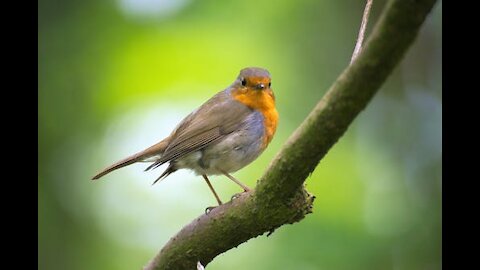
(279, 197)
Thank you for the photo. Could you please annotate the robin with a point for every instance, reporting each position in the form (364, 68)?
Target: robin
(225, 134)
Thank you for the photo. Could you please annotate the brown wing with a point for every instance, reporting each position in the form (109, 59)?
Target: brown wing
(216, 118)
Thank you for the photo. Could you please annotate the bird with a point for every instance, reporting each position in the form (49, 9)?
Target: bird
(223, 135)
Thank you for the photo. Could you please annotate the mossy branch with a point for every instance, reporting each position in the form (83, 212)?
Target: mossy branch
(279, 197)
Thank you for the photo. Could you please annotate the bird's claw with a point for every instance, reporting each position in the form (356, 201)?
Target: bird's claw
(236, 196)
(209, 209)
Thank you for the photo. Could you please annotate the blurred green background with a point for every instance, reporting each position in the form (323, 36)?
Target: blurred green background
(117, 76)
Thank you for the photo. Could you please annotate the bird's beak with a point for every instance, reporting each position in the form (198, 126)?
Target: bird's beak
(260, 86)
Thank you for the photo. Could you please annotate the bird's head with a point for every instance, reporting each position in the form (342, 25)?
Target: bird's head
(253, 79)
(253, 88)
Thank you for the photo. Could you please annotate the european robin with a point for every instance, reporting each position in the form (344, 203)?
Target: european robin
(223, 135)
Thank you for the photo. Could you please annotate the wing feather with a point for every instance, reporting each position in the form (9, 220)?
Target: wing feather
(216, 118)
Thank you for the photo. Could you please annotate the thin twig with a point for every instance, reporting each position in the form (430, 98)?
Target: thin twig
(361, 33)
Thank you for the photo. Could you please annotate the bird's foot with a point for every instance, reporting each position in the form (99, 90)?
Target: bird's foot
(210, 208)
(236, 196)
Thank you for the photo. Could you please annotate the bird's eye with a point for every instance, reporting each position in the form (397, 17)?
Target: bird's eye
(269, 84)
(244, 82)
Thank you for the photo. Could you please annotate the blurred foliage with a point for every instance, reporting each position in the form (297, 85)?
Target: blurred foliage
(116, 76)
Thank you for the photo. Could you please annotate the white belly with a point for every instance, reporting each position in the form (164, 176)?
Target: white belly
(229, 155)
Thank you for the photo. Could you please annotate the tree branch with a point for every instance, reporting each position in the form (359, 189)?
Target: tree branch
(361, 32)
(279, 197)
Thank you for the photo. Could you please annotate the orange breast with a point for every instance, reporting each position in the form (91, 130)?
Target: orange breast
(264, 102)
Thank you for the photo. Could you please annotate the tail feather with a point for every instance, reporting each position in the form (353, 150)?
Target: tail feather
(154, 150)
(154, 165)
(118, 165)
(171, 169)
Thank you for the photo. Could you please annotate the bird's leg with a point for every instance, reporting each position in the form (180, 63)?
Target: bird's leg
(213, 190)
(236, 181)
